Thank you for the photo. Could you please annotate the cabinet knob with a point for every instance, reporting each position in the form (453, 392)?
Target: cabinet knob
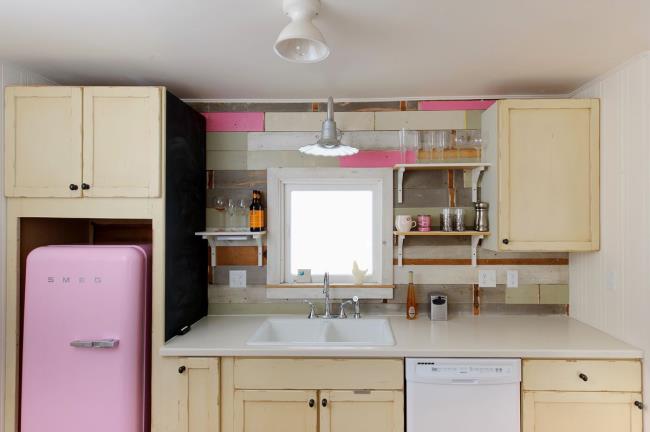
(639, 404)
(583, 377)
(323, 403)
(311, 403)
(85, 186)
(505, 241)
(181, 369)
(73, 187)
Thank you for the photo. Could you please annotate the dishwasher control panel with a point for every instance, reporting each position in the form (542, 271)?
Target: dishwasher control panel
(464, 371)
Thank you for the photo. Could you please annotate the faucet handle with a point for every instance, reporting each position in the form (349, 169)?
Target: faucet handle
(357, 310)
(312, 311)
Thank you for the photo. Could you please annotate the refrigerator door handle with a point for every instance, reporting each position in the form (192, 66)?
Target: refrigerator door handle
(96, 343)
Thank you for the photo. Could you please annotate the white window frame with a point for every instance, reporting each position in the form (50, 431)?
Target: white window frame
(280, 181)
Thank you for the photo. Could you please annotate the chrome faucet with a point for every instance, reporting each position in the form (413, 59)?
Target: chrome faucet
(328, 302)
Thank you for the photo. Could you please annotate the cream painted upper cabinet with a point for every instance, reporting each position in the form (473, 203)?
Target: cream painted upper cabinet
(543, 185)
(43, 141)
(83, 142)
(122, 141)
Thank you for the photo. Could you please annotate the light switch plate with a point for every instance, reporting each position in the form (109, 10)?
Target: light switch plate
(237, 278)
(512, 279)
(487, 278)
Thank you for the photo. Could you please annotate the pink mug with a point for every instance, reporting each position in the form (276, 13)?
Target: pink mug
(424, 223)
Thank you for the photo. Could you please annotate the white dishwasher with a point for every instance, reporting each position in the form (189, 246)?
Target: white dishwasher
(462, 395)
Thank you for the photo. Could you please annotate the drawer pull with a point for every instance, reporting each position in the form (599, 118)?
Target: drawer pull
(311, 403)
(181, 369)
(73, 187)
(639, 404)
(324, 403)
(583, 377)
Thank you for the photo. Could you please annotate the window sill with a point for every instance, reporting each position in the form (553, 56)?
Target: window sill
(333, 285)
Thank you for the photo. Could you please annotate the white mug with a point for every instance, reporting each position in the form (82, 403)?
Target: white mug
(404, 223)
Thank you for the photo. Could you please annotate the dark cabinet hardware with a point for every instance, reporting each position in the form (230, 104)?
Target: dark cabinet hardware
(505, 241)
(85, 186)
(324, 403)
(73, 187)
(311, 403)
(583, 377)
(181, 369)
(639, 404)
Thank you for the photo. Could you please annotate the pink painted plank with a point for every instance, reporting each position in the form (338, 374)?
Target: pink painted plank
(376, 159)
(234, 121)
(455, 105)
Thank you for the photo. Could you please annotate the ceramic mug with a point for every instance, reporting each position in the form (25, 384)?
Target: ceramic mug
(424, 223)
(404, 223)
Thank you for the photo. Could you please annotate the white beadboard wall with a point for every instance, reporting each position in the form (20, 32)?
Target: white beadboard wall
(9, 75)
(610, 289)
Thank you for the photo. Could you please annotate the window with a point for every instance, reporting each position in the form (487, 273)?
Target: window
(324, 219)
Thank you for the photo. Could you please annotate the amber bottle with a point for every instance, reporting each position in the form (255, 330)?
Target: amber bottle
(411, 305)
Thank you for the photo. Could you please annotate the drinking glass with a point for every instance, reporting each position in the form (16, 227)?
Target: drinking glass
(219, 204)
(242, 215)
(409, 145)
(469, 139)
(230, 215)
(440, 141)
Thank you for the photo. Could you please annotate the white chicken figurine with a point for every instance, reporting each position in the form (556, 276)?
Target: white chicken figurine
(358, 274)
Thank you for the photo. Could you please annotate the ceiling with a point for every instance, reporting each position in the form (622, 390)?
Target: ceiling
(221, 49)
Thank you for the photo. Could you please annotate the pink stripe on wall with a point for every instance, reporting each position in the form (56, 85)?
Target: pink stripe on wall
(376, 159)
(234, 121)
(455, 105)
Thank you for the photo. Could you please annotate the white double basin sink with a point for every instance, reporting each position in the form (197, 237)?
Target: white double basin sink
(324, 332)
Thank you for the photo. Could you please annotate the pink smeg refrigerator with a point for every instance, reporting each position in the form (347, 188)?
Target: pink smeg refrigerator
(85, 352)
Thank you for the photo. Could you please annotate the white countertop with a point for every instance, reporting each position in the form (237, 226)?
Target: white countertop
(461, 336)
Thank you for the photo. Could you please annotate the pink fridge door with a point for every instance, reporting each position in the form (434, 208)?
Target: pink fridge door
(84, 339)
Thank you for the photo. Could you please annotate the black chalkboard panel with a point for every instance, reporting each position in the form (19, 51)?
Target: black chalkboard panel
(186, 260)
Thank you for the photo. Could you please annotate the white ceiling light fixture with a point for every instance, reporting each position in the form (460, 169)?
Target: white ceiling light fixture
(329, 142)
(301, 41)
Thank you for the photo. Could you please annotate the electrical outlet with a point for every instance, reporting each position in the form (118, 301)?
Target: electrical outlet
(237, 278)
(512, 279)
(487, 278)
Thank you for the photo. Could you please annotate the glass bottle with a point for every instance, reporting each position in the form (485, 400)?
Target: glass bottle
(411, 305)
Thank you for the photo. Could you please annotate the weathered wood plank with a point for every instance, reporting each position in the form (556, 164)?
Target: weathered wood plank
(420, 120)
(312, 121)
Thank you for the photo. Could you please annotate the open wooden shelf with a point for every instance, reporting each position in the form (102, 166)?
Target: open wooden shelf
(213, 236)
(441, 166)
(475, 236)
(441, 233)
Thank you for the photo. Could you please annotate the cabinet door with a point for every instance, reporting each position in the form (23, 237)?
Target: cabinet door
(275, 411)
(351, 411)
(198, 395)
(122, 141)
(43, 141)
(581, 412)
(548, 175)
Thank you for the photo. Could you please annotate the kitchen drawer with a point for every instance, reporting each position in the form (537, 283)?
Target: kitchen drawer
(565, 375)
(311, 373)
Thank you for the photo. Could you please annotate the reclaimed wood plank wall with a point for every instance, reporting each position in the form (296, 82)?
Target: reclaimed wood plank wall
(244, 139)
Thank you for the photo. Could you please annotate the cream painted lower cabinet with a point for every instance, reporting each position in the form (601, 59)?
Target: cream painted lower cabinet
(581, 396)
(312, 395)
(197, 395)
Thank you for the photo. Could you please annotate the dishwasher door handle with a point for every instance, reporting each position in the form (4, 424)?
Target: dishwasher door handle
(464, 381)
